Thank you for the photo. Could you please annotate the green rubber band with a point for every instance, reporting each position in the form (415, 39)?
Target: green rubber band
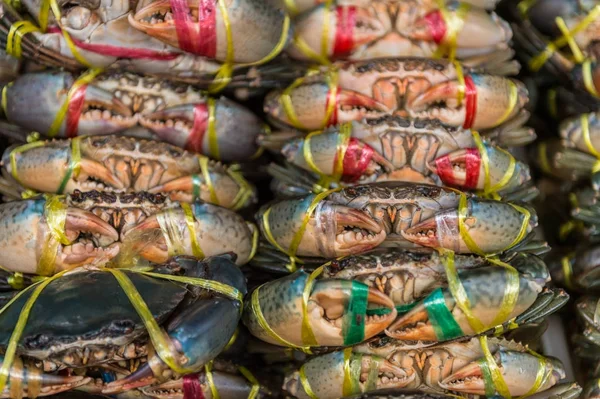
(354, 322)
(196, 187)
(490, 389)
(444, 325)
(400, 309)
(373, 375)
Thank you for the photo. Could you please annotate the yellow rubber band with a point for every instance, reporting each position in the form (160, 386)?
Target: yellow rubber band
(55, 213)
(585, 133)
(306, 384)
(190, 222)
(68, 40)
(512, 103)
(255, 306)
(11, 349)
(13, 157)
(245, 191)
(523, 231)
(538, 61)
(159, 338)
(588, 81)
(291, 7)
(211, 285)
(209, 379)
(255, 384)
(203, 162)
(496, 375)
(43, 16)
(342, 146)
(308, 337)
(305, 49)
(454, 24)
(232, 339)
(567, 271)
(539, 377)
(15, 37)
(488, 189)
(4, 102)
(543, 158)
(84, 79)
(562, 26)
(525, 5)
(460, 76)
(347, 384)
(223, 76)
(255, 237)
(269, 236)
(213, 143)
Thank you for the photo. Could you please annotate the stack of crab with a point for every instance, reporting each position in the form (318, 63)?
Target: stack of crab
(370, 271)
(557, 41)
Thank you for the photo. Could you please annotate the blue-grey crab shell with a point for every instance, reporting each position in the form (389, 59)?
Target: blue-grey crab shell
(85, 318)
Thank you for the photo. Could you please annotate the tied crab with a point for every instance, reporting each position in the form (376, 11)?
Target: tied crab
(151, 38)
(198, 325)
(456, 367)
(115, 163)
(578, 270)
(114, 102)
(393, 214)
(337, 311)
(46, 236)
(409, 87)
(412, 279)
(394, 148)
(415, 28)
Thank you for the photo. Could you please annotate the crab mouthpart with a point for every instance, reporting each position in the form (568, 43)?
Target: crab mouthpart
(355, 106)
(172, 389)
(356, 231)
(159, 15)
(423, 233)
(469, 379)
(388, 375)
(413, 326)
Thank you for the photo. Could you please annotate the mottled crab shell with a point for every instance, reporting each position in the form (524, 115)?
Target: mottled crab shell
(87, 308)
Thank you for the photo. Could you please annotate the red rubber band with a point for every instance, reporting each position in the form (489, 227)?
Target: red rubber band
(195, 141)
(472, 166)
(201, 38)
(444, 170)
(437, 25)
(119, 52)
(344, 39)
(191, 387)
(74, 111)
(356, 160)
(470, 102)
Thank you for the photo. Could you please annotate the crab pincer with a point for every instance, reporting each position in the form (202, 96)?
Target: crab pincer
(331, 308)
(198, 334)
(34, 100)
(44, 237)
(200, 230)
(493, 226)
(485, 288)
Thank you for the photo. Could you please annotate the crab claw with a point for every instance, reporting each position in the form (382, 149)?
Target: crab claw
(348, 28)
(485, 305)
(187, 126)
(218, 231)
(48, 168)
(493, 226)
(197, 335)
(488, 101)
(465, 169)
(310, 103)
(332, 230)
(519, 370)
(361, 162)
(325, 376)
(255, 28)
(28, 381)
(481, 31)
(227, 189)
(34, 100)
(327, 309)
